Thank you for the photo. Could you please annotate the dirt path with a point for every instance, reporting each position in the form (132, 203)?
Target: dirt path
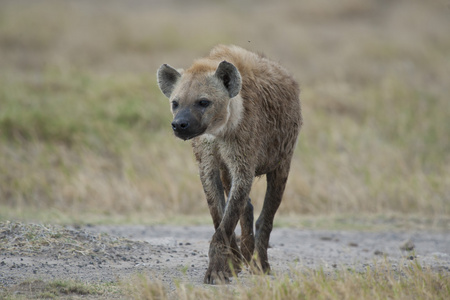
(108, 253)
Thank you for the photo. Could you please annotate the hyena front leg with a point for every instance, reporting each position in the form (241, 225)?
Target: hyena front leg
(246, 220)
(212, 186)
(214, 192)
(220, 253)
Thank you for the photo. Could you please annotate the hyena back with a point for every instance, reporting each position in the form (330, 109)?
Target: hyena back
(242, 112)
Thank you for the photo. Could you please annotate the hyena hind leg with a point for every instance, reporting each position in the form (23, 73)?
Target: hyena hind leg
(247, 236)
(276, 182)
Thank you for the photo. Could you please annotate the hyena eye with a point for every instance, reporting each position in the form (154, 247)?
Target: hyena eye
(174, 104)
(204, 103)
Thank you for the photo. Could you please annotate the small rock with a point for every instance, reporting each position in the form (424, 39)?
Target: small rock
(407, 245)
(378, 252)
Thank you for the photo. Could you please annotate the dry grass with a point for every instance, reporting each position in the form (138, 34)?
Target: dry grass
(30, 239)
(383, 281)
(84, 129)
(380, 282)
(59, 289)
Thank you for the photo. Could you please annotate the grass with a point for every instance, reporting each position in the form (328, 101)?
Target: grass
(85, 133)
(84, 130)
(29, 239)
(50, 242)
(410, 281)
(382, 281)
(61, 289)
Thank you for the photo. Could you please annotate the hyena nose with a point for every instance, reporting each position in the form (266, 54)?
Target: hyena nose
(180, 125)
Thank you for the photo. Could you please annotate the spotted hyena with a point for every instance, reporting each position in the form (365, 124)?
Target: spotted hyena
(242, 113)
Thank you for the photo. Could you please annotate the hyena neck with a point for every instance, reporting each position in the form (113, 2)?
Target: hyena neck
(235, 112)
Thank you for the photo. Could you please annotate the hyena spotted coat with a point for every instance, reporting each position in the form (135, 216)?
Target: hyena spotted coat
(242, 112)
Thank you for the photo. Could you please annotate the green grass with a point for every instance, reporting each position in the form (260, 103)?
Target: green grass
(85, 131)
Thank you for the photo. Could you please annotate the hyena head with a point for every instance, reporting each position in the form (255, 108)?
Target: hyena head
(201, 98)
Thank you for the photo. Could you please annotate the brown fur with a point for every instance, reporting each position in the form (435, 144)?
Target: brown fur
(234, 139)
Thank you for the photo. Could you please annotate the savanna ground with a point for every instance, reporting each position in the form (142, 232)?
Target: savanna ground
(85, 133)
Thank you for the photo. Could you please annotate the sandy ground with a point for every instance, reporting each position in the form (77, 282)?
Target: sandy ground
(180, 253)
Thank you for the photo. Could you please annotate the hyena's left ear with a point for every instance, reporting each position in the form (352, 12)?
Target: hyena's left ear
(167, 78)
(230, 77)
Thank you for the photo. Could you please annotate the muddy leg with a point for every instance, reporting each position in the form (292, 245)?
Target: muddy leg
(226, 182)
(212, 186)
(247, 236)
(220, 254)
(276, 182)
(246, 220)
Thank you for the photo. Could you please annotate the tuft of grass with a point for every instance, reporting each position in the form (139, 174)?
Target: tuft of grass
(145, 287)
(27, 239)
(60, 289)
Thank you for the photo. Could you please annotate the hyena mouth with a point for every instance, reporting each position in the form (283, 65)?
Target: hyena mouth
(188, 135)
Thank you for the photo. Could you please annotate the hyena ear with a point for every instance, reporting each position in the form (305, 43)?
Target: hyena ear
(167, 78)
(230, 77)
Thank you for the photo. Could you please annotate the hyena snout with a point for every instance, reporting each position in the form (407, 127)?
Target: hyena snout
(180, 125)
(186, 127)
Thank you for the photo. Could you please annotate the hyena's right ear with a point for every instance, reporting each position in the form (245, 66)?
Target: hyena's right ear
(167, 78)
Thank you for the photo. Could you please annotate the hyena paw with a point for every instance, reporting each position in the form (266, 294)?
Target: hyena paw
(219, 271)
(223, 264)
(213, 276)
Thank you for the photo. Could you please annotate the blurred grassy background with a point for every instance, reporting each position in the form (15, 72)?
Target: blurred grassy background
(85, 133)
